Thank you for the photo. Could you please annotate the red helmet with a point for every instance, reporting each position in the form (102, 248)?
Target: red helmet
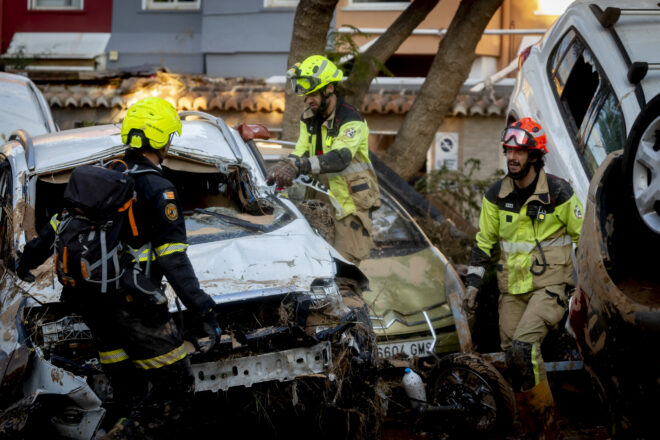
(525, 133)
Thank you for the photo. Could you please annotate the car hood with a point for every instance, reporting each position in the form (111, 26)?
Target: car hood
(288, 259)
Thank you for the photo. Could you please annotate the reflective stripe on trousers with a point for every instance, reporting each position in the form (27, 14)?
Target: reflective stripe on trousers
(163, 360)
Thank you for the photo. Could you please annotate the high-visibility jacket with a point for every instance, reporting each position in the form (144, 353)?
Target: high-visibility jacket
(355, 186)
(535, 237)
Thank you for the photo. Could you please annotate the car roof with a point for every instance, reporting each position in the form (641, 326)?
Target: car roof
(200, 141)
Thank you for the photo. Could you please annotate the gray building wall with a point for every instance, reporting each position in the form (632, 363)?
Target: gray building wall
(226, 38)
(244, 38)
(168, 38)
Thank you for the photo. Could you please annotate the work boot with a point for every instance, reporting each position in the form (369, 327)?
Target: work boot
(536, 413)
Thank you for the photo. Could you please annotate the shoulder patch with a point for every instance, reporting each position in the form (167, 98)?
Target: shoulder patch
(168, 195)
(171, 212)
(578, 212)
(350, 132)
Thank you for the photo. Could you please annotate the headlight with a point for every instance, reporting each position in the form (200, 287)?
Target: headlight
(324, 293)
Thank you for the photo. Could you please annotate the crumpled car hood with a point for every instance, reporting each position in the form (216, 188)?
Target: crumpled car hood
(287, 259)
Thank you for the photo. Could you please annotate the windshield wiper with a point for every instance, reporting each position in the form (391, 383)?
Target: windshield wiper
(233, 221)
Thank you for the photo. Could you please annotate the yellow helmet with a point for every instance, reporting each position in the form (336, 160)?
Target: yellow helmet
(313, 74)
(150, 121)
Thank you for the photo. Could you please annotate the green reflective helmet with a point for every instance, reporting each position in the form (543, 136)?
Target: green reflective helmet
(313, 74)
(153, 120)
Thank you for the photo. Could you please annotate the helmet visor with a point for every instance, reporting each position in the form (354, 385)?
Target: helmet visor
(303, 85)
(517, 137)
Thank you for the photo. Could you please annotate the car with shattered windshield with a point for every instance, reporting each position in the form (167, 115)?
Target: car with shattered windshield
(297, 341)
(409, 278)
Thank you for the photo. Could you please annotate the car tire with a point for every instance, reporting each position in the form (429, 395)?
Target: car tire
(477, 386)
(640, 171)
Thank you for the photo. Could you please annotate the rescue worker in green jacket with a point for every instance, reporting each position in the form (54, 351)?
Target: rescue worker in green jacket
(333, 145)
(535, 218)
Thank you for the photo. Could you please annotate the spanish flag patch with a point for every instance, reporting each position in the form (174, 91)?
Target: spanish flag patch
(168, 195)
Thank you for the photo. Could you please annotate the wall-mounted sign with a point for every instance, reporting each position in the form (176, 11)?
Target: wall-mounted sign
(443, 152)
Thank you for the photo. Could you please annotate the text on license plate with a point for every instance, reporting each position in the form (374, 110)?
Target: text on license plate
(414, 348)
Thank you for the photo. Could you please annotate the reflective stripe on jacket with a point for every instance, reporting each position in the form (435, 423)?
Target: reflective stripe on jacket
(551, 217)
(355, 187)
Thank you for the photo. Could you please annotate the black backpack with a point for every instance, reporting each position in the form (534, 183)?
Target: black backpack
(89, 246)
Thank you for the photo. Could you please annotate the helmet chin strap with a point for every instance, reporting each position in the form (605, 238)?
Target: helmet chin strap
(324, 102)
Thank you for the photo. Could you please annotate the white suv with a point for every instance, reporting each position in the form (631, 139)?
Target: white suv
(575, 82)
(594, 85)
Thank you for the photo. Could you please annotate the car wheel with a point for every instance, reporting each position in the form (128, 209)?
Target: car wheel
(468, 382)
(641, 165)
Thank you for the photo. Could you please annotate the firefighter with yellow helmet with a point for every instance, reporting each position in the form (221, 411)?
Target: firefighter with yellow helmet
(139, 343)
(535, 218)
(333, 145)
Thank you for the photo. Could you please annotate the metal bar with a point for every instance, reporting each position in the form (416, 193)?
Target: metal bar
(574, 365)
(461, 322)
(428, 322)
(442, 32)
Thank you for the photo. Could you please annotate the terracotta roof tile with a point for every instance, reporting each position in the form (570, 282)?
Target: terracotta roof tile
(226, 94)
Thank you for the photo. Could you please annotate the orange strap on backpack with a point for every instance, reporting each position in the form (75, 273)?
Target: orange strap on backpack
(129, 206)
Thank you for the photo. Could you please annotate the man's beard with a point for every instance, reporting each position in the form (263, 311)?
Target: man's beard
(522, 173)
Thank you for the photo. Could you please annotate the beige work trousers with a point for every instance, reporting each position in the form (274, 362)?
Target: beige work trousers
(528, 317)
(353, 237)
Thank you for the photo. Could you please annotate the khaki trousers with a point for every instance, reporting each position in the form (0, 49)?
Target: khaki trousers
(353, 237)
(526, 318)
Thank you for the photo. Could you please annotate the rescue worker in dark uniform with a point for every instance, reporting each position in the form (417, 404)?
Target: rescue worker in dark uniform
(333, 145)
(138, 340)
(535, 218)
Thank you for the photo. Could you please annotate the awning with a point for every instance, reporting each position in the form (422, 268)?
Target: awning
(59, 50)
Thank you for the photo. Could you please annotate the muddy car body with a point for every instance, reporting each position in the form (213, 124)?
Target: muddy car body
(288, 303)
(593, 86)
(409, 278)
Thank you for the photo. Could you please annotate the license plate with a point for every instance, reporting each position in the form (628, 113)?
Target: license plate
(410, 348)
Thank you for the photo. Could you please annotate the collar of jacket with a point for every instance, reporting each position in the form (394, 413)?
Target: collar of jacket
(134, 157)
(329, 122)
(541, 192)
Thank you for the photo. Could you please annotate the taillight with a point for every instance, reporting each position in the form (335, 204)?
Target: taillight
(523, 56)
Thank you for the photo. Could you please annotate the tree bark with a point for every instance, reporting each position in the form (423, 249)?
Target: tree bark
(310, 30)
(367, 66)
(449, 70)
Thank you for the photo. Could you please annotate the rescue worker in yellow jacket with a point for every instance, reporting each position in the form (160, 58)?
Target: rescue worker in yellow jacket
(333, 145)
(535, 218)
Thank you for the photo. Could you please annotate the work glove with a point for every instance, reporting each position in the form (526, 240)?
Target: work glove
(470, 298)
(22, 272)
(212, 330)
(283, 173)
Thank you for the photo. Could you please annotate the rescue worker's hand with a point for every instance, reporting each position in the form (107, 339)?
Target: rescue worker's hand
(283, 173)
(470, 299)
(212, 329)
(22, 272)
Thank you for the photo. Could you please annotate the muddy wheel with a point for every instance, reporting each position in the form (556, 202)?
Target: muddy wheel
(641, 158)
(467, 381)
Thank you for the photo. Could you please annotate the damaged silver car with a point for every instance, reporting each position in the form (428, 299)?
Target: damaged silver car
(297, 340)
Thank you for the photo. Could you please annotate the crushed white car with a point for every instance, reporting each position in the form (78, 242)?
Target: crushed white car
(295, 326)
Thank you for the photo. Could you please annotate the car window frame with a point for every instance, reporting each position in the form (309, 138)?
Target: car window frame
(597, 100)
